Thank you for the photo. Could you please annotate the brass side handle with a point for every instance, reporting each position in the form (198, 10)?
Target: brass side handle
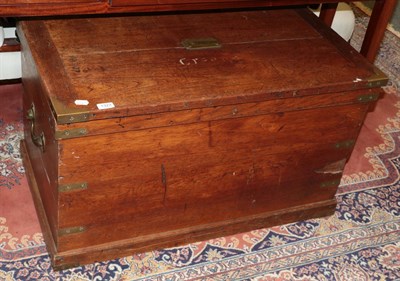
(38, 140)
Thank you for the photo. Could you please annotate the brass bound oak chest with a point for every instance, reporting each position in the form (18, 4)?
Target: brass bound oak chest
(150, 131)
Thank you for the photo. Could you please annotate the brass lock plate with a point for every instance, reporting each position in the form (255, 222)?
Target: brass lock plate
(201, 43)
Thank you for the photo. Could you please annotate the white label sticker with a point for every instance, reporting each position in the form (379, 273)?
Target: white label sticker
(106, 105)
(81, 102)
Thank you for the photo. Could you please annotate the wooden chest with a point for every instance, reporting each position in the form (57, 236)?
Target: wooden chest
(150, 131)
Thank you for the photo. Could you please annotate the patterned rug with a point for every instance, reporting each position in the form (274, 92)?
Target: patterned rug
(360, 242)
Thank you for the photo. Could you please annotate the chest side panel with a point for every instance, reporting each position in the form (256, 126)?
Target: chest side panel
(41, 145)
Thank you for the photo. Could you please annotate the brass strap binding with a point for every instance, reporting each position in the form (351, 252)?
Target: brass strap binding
(71, 230)
(38, 140)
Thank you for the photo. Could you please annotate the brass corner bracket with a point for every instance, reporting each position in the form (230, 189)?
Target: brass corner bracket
(66, 115)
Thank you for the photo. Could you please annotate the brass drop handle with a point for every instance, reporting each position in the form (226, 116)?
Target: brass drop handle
(38, 140)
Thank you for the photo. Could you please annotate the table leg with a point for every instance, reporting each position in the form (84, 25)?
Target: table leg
(380, 17)
(327, 13)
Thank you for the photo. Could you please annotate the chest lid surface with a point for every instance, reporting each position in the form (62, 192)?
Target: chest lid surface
(131, 65)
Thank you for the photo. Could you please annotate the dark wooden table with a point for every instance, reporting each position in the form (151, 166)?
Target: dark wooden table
(20, 8)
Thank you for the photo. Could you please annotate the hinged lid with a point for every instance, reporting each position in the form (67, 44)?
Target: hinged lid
(96, 68)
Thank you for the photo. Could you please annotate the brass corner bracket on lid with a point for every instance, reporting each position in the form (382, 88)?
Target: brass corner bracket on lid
(66, 115)
(378, 79)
